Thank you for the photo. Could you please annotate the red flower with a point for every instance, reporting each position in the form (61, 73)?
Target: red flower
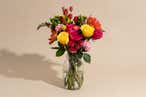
(93, 22)
(70, 16)
(75, 19)
(73, 32)
(65, 11)
(97, 25)
(74, 46)
(97, 34)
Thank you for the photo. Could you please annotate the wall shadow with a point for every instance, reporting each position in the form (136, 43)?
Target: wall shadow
(29, 66)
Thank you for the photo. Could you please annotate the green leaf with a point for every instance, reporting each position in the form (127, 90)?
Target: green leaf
(60, 52)
(87, 57)
(55, 21)
(80, 54)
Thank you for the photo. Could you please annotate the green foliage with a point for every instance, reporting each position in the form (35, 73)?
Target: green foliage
(79, 54)
(46, 24)
(81, 20)
(60, 51)
(54, 21)
(87, 57)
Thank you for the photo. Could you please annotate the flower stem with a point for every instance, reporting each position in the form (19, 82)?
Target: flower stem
(74, 78)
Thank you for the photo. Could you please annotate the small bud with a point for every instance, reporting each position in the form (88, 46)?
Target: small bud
(63, 8)
(65, 12)
(71, 8)
(70, 16)
(61, 18)
(75, 18)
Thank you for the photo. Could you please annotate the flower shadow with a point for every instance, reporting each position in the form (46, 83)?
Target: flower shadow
(29, 66)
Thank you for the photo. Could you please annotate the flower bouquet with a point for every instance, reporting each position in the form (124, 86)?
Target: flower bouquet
(72, 35)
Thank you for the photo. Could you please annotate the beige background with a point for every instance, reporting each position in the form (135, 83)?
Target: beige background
(28, 68)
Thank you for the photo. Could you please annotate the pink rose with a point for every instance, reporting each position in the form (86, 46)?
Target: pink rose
(58, 27)
(97, 34)
(86, 45)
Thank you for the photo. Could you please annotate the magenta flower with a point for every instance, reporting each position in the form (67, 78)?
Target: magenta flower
(73, 32)
(97, 34)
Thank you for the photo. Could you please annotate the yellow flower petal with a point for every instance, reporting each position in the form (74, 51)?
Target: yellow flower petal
(63, 27)
(87, 30)
(63, 38)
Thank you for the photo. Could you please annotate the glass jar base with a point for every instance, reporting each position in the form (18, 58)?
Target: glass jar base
(73, 80)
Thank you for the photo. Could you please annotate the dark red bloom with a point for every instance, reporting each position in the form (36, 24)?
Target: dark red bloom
(70, 16)
(61, 18)
(75, 19)
(74, 46)
(98, 33)
(65, 11)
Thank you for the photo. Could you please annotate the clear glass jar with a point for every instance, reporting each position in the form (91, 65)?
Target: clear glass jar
(73, 72)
